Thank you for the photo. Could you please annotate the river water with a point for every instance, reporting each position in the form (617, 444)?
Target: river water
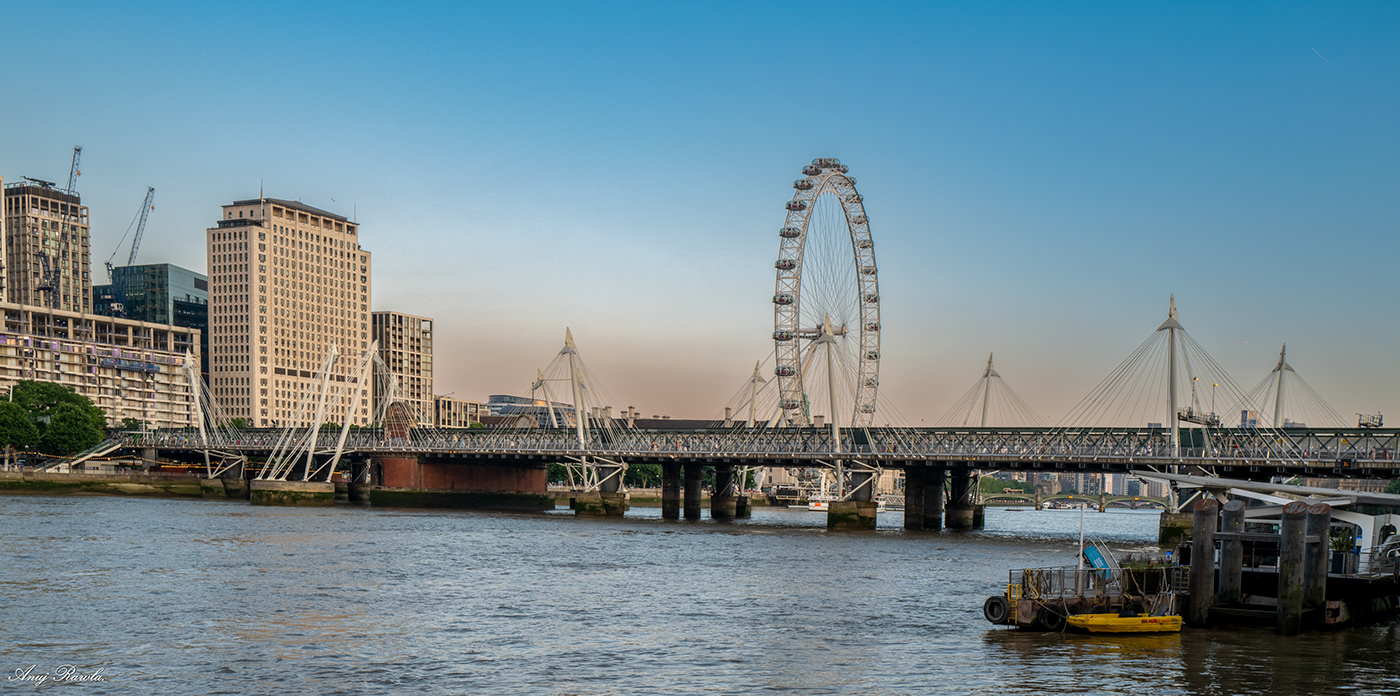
(195, 597)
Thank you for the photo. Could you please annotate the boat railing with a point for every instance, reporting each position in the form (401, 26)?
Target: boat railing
(1044, 584)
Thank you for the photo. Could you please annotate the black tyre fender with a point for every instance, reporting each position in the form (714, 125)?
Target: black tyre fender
(1050, 619)
(996, 609)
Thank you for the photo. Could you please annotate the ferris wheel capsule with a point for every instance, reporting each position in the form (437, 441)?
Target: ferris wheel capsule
(858, 220)
(783, 335)
(872, 381)
(790, 232)
(787, 404)
(872, 297)
(812, 169)
(782, 298)
(785, 370)
(867, 408)
(785, 264)
(872, 327)
(796, 205)
(865, 243)
(802, 185)
(872, 355)
(867, 270)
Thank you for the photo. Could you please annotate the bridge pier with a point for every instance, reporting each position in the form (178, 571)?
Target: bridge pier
(914, 496)
(417, 482)
(961, 512)
(935, 485)
(693, 475)
(671, 491)
(294, 493)
(858, 512)
(359, 482)
(722, 503)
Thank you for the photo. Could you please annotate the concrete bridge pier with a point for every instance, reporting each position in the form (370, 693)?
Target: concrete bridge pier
(671, 491)
(615, 500)
(914, 496)
(424, 482)
(935, 487)
(691, 499)
(293, 493)
(961, 511)
(858, 512)
(722, 503)
(359, 482)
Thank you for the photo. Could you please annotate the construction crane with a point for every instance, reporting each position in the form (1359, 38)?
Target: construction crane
(73, 172)
(119, 289)
(48, 281)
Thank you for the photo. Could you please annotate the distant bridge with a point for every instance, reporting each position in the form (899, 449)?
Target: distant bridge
(1132, 502)
(1331, 452)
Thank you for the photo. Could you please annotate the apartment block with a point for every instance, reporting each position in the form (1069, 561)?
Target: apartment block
(46, 247)
(286, 282)
(457, 413)
(130, 369)
(406, 346)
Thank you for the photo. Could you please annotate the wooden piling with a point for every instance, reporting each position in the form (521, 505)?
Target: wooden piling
(1292, 537)
(1232, 554)
(1315, 558)
(1202, 579)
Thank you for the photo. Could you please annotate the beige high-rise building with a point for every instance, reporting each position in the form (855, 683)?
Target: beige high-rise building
(46, 248)
(286, 282)
(406, 346)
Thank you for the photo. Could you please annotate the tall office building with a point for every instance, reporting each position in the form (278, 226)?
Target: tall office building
(46, 247)
(160, 293)
(286, 282)
(406, 346)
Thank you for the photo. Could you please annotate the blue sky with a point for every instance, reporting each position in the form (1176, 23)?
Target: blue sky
(1039, 176)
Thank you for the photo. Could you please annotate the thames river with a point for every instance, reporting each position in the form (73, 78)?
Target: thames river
(195, 597)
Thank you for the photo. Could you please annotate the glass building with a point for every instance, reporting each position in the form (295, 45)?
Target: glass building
(159, 293)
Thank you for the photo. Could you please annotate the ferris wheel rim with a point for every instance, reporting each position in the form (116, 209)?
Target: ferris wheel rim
(825, 176)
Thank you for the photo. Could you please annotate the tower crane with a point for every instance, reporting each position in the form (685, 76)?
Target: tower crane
(73, 172)
(119, 289)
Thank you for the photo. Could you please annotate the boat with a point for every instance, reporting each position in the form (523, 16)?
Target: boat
(1124, 623)
(820, 502)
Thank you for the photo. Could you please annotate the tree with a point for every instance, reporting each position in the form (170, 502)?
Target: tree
(70, 430)
(17, 428)
(642, 475)
(131, 424)
(42, 399)
(1393, 487)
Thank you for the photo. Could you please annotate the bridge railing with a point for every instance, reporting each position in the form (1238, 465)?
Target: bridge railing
(811, 443)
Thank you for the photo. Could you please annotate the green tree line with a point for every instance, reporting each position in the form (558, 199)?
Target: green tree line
(50, 418)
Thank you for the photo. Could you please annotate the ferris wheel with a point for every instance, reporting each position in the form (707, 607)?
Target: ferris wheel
(826, 306)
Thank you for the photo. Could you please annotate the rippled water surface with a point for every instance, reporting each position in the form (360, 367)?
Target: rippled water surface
(193, 597)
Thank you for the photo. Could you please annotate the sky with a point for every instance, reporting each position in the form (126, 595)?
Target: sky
(1039, 177)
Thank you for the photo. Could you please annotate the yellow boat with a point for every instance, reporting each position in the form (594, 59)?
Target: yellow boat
(1113, 623)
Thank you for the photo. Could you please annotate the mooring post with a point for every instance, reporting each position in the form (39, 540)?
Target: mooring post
(934, 478)
(913, 497)
(1231, 554)
(1291, 551)
(1315, 558)
(693, 474)
(1202, 580)
(671, 491)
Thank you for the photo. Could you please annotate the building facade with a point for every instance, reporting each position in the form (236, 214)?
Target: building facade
(130, 369)
(457, 413)
(46, 247)
(159, 293)
(406, 346)
(286, 283)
